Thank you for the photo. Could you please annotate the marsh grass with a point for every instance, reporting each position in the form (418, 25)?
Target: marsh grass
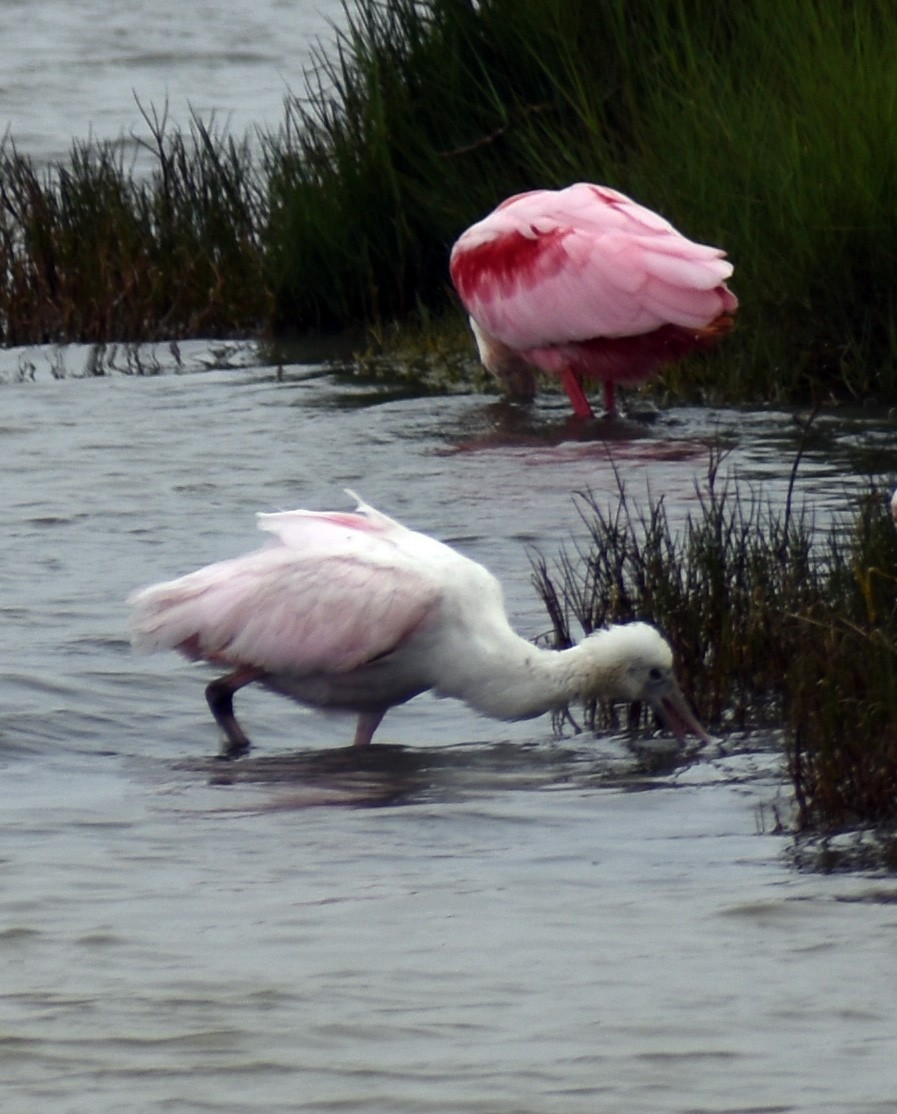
(841, 708)
(89, 252)
(774, 621)
(767, 127)
(430, 355)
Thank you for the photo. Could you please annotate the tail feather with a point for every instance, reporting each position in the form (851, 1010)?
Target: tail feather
(194, 613)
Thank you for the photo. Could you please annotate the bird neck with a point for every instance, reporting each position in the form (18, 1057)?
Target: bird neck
(518, 680)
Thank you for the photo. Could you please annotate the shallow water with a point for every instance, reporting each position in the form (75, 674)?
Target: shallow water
(70, 69)
(475, 916)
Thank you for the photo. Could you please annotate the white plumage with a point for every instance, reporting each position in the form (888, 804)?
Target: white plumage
(354, 611)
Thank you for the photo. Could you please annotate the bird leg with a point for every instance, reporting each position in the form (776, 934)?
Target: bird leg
(368, 722)
(572, 384)
(220, 695)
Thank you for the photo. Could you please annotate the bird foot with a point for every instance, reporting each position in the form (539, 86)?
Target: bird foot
(230, 749)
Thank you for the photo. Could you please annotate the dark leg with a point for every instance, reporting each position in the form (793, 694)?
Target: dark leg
(220, 695)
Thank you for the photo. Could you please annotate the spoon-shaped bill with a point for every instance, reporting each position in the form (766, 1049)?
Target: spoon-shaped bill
(674, 712)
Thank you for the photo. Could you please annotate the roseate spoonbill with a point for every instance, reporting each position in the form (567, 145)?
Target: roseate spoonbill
(585, 283)
(355, 612)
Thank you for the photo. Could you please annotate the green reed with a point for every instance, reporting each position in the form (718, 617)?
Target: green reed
(773, 620)
(90, 252)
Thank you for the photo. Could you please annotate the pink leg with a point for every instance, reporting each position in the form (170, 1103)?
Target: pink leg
(572, 384)
(368, 722)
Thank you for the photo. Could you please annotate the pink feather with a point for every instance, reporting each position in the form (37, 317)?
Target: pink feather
(585, 279)
(333, 591)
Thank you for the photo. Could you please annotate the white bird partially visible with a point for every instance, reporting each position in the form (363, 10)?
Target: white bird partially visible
(355, 612)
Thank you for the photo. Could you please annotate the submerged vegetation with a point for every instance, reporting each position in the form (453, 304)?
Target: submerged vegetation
(766, 127)
(774, 620)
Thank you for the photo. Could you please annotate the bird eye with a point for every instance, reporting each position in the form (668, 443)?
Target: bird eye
(655, 673)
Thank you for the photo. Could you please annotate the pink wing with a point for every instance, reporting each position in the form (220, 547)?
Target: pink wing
(334, 592)
(332, 532)
(551, 267)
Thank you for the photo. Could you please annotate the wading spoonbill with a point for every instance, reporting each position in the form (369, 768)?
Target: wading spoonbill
(585, 283)
(353, 611)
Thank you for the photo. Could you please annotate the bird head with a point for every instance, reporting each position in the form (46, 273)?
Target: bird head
(634, 662)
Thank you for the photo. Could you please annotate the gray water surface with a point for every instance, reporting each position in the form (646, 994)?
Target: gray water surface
(475, 916)
(73, 69)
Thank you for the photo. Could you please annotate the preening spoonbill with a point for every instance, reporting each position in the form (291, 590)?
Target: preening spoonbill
(355, 612)
(585, 283)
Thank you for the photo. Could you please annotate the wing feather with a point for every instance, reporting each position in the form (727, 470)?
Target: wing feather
(549, 267)
(333, 591)
(282, 611)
